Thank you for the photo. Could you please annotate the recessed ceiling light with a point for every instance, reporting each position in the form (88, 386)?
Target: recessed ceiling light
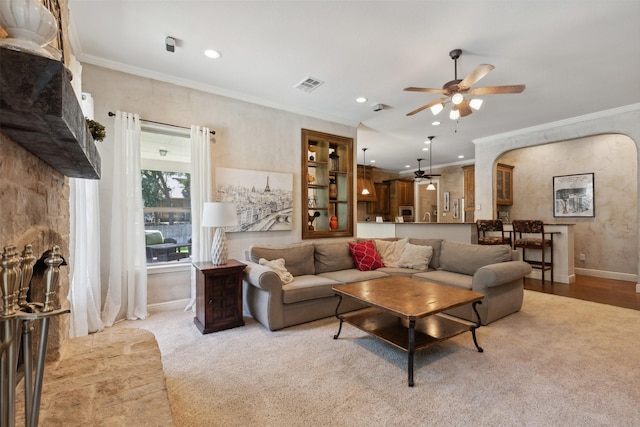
(425, 149)
(213, 54)
(372, 161)
(436, 123)
(407, 166)
(461, 156)
(361, 100)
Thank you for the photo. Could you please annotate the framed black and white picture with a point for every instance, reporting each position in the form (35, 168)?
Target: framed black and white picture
(456, 208)
(264, 199)
(573, 196)
(445, 207)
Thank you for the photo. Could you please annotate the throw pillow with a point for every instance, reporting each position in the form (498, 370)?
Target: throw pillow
(365, 256)
(416, 257)
(277, 265)
(390, 250)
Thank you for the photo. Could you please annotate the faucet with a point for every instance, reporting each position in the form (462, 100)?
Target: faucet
(424, 217)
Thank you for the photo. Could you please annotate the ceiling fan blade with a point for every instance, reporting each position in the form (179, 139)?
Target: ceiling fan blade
(432, 175)
(496, 90)
(480, 71)
(424, 107)
(464, 108)
(424, 89)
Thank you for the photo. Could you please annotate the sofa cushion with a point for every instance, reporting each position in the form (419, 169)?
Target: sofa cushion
(308, 287)
(298, 257)
(447, 278)
(390, 251)
(415, 256)
(466, 259)
(435, 244)
(365, 255)
(278, 266)
(354, 275)
(332, 256)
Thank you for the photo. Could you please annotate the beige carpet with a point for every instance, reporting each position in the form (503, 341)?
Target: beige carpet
(558, 362)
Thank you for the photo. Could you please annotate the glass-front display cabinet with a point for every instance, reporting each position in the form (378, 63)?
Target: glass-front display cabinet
(327, 185)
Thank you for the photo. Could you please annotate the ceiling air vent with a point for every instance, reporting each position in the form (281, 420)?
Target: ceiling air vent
(308, 84)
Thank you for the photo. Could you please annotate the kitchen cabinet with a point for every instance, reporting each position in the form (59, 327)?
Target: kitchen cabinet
(382, 203)
(469, 175)
(400, 194)
(504, 184)
(327, 185)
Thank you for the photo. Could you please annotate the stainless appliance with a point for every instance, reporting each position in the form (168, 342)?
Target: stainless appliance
(406, 212)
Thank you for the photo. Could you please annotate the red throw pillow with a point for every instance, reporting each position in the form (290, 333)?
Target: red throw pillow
(365, 255)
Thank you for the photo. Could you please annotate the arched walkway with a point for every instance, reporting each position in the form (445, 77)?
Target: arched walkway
(624, 120)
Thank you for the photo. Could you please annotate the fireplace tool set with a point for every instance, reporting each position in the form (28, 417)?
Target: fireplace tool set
(17, 316)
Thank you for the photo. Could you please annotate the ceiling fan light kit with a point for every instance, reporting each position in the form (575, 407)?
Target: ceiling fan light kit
(455, 90)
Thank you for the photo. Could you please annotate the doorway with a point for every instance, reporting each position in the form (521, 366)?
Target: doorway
(428, 202)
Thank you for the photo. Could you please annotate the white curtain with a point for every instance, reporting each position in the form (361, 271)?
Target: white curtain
(127, 292)
(84, 250)
(201, 192)
(84, 286)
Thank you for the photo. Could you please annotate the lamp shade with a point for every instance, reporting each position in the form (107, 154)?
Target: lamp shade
(219, 214)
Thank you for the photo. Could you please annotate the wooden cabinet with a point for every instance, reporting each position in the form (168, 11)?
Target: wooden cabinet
(327, 185)
(504, 184)
(405, 193)
(382, 203)
(400, 194)
(469, 175)
(218, 296)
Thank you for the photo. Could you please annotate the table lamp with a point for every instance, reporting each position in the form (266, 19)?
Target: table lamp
(220, 215)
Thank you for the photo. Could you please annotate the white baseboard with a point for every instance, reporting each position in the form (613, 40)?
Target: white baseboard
(168, 306)
(628, 277)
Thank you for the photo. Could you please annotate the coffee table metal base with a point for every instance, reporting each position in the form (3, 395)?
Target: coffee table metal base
(408, 335)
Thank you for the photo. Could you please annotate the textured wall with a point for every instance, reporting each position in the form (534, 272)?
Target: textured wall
(609, 240)
(34, 209)
(248, 136)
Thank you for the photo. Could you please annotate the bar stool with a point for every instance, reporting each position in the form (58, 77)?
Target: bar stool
(485, 226)
(536, 240)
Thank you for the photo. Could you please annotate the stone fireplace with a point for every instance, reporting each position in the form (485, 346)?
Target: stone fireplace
(34, 200)
(43, 140)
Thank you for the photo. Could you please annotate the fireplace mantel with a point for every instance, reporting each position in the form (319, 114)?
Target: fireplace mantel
(39, 110)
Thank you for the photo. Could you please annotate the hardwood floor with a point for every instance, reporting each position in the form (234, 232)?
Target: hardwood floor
(606, 291)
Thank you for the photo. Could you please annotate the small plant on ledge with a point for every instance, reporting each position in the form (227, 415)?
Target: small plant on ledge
(97, 130)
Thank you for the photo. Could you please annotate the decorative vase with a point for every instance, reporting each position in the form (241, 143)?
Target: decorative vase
(333, 189)
(333, 222)
(30, 27)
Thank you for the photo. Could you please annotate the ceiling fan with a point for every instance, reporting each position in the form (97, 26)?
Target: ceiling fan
(455, 90)
(420, 174)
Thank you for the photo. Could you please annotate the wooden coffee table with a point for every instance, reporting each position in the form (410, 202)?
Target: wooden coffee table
(404, 312)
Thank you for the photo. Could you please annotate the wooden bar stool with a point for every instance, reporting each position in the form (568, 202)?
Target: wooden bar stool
(534, 239)
(493, 226)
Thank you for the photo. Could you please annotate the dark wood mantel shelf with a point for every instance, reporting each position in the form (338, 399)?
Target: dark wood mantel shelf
(39, 110)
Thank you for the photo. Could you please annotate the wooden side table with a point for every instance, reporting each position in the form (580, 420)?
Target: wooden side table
(218, 296)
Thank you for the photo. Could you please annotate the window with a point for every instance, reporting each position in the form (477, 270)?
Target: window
(165, 168)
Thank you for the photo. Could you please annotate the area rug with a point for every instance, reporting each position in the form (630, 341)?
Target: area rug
(557, 362)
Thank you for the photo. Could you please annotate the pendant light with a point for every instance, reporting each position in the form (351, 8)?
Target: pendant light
(365, 190)
(430, 186)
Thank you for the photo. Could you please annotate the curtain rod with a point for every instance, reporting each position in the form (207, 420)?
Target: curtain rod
(212, 132)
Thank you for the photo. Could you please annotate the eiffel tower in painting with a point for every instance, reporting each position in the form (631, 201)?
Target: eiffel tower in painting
(267, 189)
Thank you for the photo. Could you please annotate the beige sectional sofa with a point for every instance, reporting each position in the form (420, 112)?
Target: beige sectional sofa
(315, 267)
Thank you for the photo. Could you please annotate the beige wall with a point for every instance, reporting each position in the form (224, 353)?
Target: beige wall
(248, 136)
(609, 240)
